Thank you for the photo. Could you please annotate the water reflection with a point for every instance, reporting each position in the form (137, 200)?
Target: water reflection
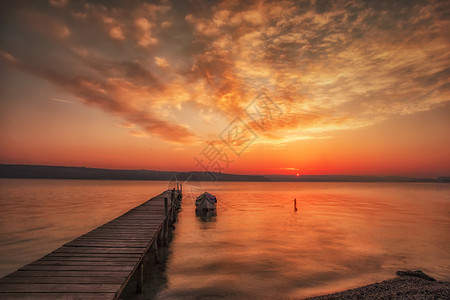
(342, 236)
(39, 215)
(206, 215)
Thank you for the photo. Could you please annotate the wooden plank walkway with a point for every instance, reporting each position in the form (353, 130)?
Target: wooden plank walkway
(100, 263)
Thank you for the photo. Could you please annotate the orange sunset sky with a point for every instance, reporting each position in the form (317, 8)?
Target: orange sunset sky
(342, 87)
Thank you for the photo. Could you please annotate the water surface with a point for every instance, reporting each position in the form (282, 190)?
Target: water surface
(39, 215)
(342, 236)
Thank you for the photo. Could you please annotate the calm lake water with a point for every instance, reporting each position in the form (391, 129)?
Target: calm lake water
(342, 236)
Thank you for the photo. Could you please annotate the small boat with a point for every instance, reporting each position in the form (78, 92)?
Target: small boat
(205, 202)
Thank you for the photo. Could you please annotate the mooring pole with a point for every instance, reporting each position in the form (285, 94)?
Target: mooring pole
(295, 204)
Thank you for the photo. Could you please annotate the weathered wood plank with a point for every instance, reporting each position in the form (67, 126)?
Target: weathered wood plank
(79, 273)
(158, 216)
(138, 225)
(116, 244)
(106, 228)
(111, 235)
(104, 255)
(131, 226)
(65, 249)
(75, 268)
(59, 288)
(150, 213)
(87, 258)
(120, 232)
(102, 245)
(56, 296)
(111, 239)
(124, 230)
(150, 217)
(146, 226)
(82, 263)
(59, 280)
(118, 237)
(134, 223)
(147, 223)
(112, 231)
(127, 228)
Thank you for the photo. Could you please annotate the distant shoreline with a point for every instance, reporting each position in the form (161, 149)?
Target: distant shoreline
(61, 172)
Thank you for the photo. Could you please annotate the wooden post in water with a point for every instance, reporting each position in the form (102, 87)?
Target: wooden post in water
(156, 252)
(166, 225)
(172, 196)
(140, 281)
(295, 204)
(172, 203)
(174, 206)
(166, 207)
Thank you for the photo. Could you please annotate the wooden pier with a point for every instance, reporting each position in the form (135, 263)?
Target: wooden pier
(100, 263)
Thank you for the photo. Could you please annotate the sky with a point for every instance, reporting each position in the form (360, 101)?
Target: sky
(248, 87)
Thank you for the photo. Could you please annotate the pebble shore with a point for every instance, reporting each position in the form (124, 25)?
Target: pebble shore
(405, 287)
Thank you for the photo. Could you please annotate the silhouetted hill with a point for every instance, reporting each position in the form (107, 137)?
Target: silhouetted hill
(351, 178)
(56, 172)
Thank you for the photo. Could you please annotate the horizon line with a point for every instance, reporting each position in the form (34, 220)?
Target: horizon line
(293, 176)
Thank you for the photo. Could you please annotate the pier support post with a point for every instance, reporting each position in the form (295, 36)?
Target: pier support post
(166, 225)
(140, 281)
(156, 253)
(166, 207)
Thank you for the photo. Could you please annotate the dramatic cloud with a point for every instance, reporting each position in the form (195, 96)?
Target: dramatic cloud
(144, 33)
(161, 61)
(58, 3)
(116, 33)
(325, 65)
(114, 95)
(334, 66)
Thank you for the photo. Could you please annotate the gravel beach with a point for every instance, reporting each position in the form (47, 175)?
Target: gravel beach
(405, 287)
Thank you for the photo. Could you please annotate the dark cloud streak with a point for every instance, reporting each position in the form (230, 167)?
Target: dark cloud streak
(102, 95)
